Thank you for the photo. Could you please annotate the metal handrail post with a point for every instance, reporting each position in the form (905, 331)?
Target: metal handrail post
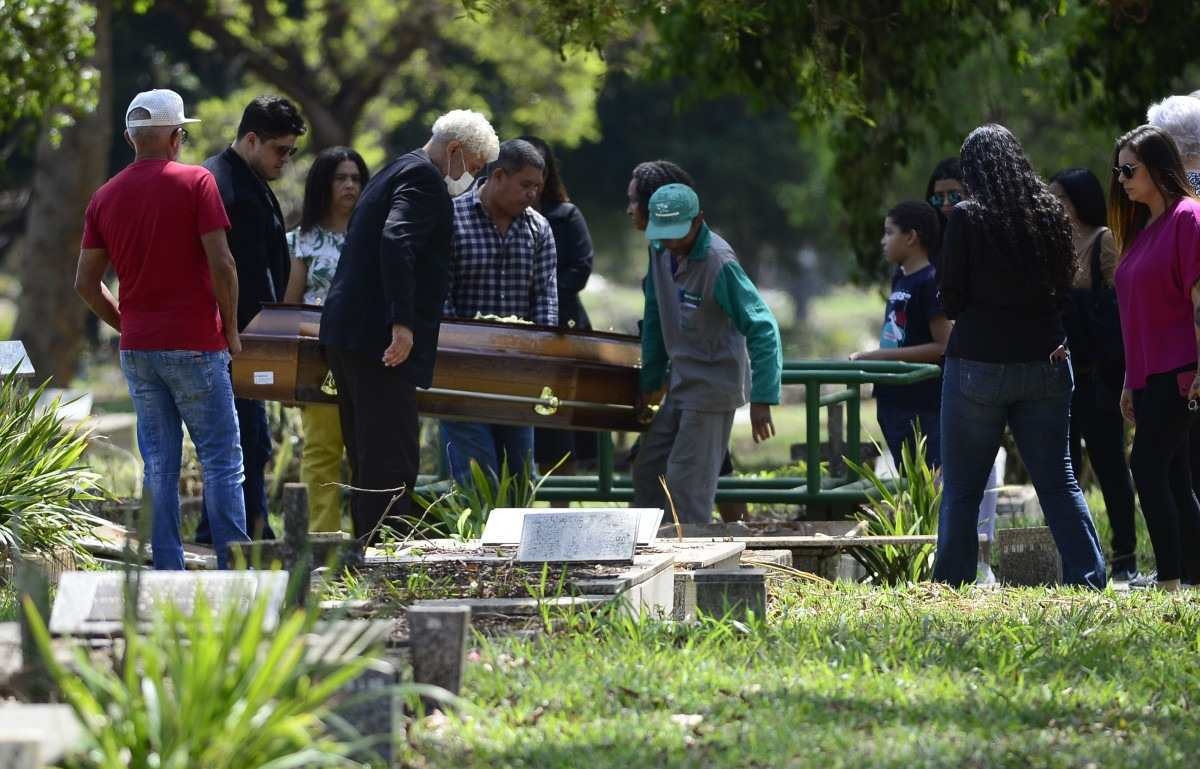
(854, 431)
(812, 427)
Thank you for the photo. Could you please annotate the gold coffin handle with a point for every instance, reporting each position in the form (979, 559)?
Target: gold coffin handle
(549, 405)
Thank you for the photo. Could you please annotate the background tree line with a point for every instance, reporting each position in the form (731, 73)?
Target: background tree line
(802, 122)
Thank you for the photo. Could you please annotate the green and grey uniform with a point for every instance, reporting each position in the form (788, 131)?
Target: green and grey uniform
(708, 329)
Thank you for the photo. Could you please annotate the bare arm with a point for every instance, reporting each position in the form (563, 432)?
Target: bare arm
(89, 284)
(297, 282)
(930, 352)
(225, 284)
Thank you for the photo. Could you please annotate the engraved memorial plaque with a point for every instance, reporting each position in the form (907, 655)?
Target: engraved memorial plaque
(579, 535)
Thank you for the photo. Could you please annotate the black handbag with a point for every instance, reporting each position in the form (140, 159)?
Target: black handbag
(1093, 323)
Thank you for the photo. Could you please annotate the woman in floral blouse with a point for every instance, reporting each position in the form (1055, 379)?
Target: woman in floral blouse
(334, 183)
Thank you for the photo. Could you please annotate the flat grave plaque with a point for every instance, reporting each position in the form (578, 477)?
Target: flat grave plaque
(579, 535)
(12, 356)
(94, 602)
(504, 524)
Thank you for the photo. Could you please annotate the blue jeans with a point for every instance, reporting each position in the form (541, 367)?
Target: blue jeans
(255, 435)
(897, 424)
(171, 388)
(1034, 399)
(487, 444)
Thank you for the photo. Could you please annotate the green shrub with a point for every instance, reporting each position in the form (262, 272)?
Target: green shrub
(462, 511)
(909, 507)
(212, 690)
(44, 484)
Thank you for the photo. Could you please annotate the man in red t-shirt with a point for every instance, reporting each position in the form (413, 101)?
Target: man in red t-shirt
(161, 225)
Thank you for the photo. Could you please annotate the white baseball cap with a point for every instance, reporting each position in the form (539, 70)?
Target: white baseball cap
(165, 108)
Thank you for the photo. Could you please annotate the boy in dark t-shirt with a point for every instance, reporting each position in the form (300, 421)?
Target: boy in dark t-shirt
(915, 329)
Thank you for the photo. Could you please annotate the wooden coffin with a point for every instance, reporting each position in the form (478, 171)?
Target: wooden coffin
(487, 371)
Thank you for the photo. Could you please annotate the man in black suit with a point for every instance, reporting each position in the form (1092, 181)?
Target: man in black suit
(380, 323)
(266, 141)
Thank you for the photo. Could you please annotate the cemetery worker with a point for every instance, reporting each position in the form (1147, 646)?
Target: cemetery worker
(266, 141)
(573, 247)
(706, 320)
(335, 180)
(161, 226)
(1155, 219)
(383, 310)
(503, 263)
(1007, 268)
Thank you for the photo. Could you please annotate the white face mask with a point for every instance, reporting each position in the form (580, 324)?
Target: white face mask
(463, 183)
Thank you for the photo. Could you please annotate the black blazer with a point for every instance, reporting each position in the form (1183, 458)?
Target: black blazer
(573, 243)
(393, 267)
(257, 234)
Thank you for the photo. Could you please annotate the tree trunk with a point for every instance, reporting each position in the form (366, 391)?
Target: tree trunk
(50, 317)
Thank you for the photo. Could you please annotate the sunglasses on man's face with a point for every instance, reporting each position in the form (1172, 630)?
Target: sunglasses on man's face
(939, 199)
(285, 150)
(1126, 170)
(183, 136)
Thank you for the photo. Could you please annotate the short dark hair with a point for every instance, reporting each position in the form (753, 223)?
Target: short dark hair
(553, 191)
(516, 155)
(270, 117)
(1085, 193)
(649, 176)
(919, 217)
(318, 187)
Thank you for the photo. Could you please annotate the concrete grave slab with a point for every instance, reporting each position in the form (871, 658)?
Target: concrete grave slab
(93, 603)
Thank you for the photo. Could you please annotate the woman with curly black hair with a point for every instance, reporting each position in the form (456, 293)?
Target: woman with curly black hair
(1007, 267)
(1155, 218)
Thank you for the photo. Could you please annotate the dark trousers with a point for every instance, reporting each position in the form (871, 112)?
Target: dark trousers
(1161, 470)
(378, 410)
(1101, 427)
(899, 429)
(255, 436)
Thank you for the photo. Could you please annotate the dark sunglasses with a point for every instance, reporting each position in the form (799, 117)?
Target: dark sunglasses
(285, 150)
(183, 136)
(1126, 170)
(938, 199)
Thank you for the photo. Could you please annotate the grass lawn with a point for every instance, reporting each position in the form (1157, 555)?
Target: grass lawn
(846, 676)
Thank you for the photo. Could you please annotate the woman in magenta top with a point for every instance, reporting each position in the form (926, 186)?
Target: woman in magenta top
(1155, 219)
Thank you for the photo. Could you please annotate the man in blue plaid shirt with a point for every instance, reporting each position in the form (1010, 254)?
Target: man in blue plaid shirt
(503, 263)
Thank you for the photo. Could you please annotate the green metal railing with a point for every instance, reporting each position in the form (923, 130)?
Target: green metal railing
(814, 487)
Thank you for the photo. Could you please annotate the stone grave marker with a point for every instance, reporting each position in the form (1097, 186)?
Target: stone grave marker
(12, 356)
(731, 591)
(437, 638)
(93, 603)
(504, 524)
(368, 705)
(580, 535)
(1028, 557)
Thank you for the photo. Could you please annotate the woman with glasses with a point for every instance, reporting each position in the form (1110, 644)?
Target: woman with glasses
(944, 191)
(1097, 357)
(1007, 268)
(332, 188)
(1155, 218)
(945, 188)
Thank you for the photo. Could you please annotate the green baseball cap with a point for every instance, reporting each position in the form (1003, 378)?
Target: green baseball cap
(671, 211)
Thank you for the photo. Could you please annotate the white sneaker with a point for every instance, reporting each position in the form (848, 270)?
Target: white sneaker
(984, 574)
